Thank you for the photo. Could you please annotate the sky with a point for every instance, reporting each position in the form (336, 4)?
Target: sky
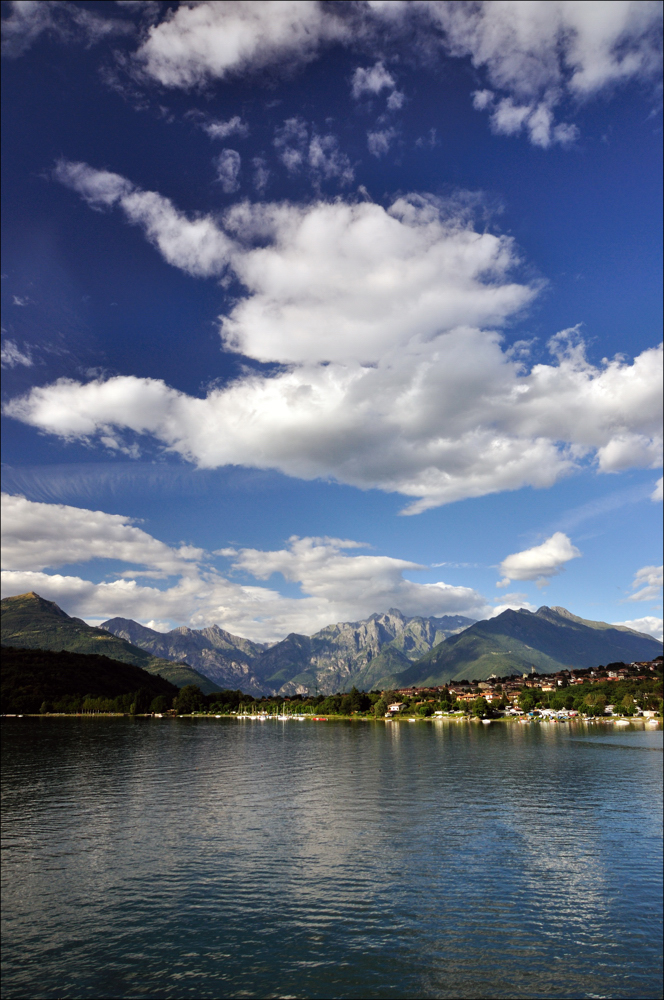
(312, 310)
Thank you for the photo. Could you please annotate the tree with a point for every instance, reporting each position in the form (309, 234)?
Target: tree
(189, 699)
(480, 708)
(161, 703)
(380, 708)
(627, 705)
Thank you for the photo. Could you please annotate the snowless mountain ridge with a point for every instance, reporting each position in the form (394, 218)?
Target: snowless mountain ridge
(337, 656)
(392, 650)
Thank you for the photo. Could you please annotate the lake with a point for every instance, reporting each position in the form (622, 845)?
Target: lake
(219, 858)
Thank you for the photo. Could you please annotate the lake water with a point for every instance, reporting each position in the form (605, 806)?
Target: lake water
(218, 858)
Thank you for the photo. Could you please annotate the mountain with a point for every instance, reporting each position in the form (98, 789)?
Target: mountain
(549, 640)
(30, 677)
(31, 622)
(224, 658)
(366, 654)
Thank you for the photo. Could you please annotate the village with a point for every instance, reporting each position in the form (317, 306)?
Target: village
(545, 695)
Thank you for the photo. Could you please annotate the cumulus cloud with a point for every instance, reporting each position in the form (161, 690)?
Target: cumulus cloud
(649, 624)
(335, 586)
(228, 165)
(658, 492)
(394, 374)
(539, 563)
(206, 41)
(196, 245)
(647, 584)
(300, 147)
(537, 54)
(11, 355)
(358, 582)
(37, 536)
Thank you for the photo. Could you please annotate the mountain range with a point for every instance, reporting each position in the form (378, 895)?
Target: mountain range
(387, 650)
(392, 650)
(366, 654)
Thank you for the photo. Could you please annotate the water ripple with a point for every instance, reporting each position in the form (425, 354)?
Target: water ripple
(208, 858)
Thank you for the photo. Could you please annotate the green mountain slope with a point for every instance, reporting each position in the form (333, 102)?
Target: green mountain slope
(30, 677)
(516, 641)
(31, 622)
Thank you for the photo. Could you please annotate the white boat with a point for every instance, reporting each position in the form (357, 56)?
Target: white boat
(487, 722)
(622, 722)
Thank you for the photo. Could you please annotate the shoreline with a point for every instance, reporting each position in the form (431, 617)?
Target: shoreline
(590, 720)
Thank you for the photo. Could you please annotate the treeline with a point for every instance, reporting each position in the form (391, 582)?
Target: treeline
(354, 702)
(37, 680)
(588, 699)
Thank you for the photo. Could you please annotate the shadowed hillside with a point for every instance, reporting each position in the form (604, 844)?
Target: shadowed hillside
(36, 678)
(31, 622)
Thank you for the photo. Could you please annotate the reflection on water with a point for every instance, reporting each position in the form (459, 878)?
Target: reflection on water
(211, 858)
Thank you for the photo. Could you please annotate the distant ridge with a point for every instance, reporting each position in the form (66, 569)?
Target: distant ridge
(31, 622)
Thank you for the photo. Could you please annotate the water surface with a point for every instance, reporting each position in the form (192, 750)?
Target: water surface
(217, 858)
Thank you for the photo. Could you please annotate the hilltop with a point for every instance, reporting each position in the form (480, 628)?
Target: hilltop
(30, 622)
(548, 640)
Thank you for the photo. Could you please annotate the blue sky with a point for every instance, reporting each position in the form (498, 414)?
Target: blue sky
(312, 310)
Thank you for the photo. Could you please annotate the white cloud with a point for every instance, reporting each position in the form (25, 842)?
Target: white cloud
(300, 147)
(37, 536)
(540, 53)
(540, 562)
(508, 118)
(228, 169)
(658, 492)
(195, 245)
(67, 22)
(379, 142)
(395, 376)
(647, 584)
(11, 355)
(222, 130)
(535, 54)
(649, 624)
(336, 586)
(511, 602)
(353, 584)
(204, 41)
(371, 80)
(261, 174)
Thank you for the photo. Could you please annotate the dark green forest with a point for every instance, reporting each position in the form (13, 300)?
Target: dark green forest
(37, 680)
